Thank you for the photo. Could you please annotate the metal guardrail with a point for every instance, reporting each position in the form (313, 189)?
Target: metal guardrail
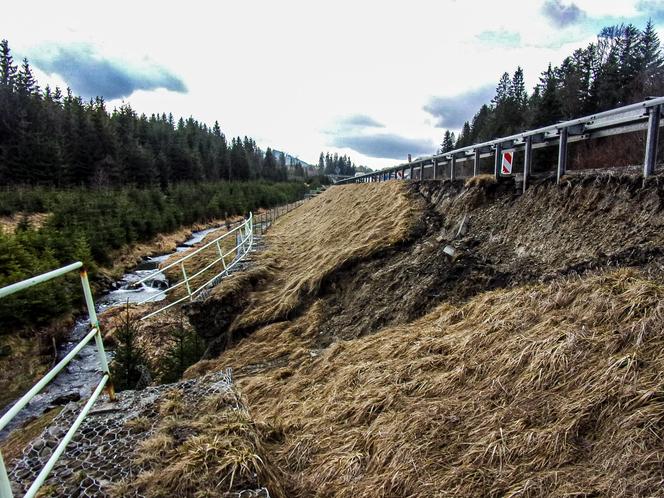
(244, 239)
(5, 486)
(627, 119)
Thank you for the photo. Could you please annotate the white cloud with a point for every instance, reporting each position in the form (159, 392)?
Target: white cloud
(283, 72)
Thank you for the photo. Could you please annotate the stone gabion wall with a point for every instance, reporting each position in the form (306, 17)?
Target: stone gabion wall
(100, 454)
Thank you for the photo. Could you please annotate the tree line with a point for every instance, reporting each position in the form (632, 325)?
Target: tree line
(334, 164)
(90, 226)
(51, 137)
(624, 65)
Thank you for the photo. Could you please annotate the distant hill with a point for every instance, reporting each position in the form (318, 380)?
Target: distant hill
(292, 160)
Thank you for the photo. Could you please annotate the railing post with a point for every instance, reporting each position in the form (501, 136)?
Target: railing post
(94, 323)
(5, 486)
(651, 141)
(453, 168)
(562, 154)
(497, 160)
(186, 280)
(527, 161)
(476, 163)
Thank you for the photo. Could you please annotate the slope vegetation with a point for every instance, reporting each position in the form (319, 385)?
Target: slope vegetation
(529, 364)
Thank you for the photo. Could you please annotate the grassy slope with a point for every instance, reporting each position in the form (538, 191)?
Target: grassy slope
(541, 389)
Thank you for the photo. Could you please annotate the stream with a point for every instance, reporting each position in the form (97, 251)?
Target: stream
(79, 378)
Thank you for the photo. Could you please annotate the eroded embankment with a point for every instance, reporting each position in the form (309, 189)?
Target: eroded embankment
(527, 365)
(384, 261)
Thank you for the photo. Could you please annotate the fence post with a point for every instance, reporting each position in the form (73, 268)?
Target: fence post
(562, 154)
(527, 160)
(453, 168)
(5, 486)
(186, 280)
(476, 163)
(651, 141)
(94, 323)
(497, 160)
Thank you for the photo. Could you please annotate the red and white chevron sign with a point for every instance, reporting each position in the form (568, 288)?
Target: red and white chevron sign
(508, 157)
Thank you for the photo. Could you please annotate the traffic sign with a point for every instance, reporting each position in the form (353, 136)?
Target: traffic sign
(506, 165)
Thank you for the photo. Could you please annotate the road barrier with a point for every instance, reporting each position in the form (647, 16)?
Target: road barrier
(627, 119)
(244, 240)
(95, 333)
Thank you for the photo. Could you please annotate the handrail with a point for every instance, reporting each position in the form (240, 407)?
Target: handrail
(5, 486)
(243, 245)
(587, 127)
(175, 263)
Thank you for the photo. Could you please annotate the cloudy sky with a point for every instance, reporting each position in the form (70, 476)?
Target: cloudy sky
(373, 79)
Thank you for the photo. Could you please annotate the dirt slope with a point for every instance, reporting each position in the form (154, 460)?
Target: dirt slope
(332, 231)
(527, 365)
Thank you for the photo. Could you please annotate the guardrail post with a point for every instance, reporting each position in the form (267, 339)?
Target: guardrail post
(421, 171)
(5, 486)
(527, 160)
(435, 168)
(453, 168)
(412, 171)
(651, 141)
(476, 163)
(562, 154)
(497, 160)
(94, 323)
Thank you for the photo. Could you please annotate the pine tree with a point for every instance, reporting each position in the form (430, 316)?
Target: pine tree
(448, 142)
(650, 74)
(185, 350)
(129, 361)
(549, 111)
(270, 166)
(321, 164)
(7, 67)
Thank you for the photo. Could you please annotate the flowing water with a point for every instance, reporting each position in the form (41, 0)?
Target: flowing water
(79, 378)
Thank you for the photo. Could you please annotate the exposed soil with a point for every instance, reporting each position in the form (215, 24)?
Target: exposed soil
(501, 238)
(527, 363)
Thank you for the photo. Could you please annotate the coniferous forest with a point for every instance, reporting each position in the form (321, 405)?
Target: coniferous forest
(624, 65)
(51, 137)
(105, 179)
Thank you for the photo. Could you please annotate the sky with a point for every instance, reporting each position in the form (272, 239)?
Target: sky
(376, 80)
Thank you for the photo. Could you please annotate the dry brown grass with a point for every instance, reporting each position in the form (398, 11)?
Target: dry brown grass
(552, 389)
(201, 451)
(343, 224)
(480, 181)
(8, 224)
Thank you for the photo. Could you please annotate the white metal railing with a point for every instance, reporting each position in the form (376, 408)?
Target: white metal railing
(244, 239)
(641, 116)
(5, 487)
